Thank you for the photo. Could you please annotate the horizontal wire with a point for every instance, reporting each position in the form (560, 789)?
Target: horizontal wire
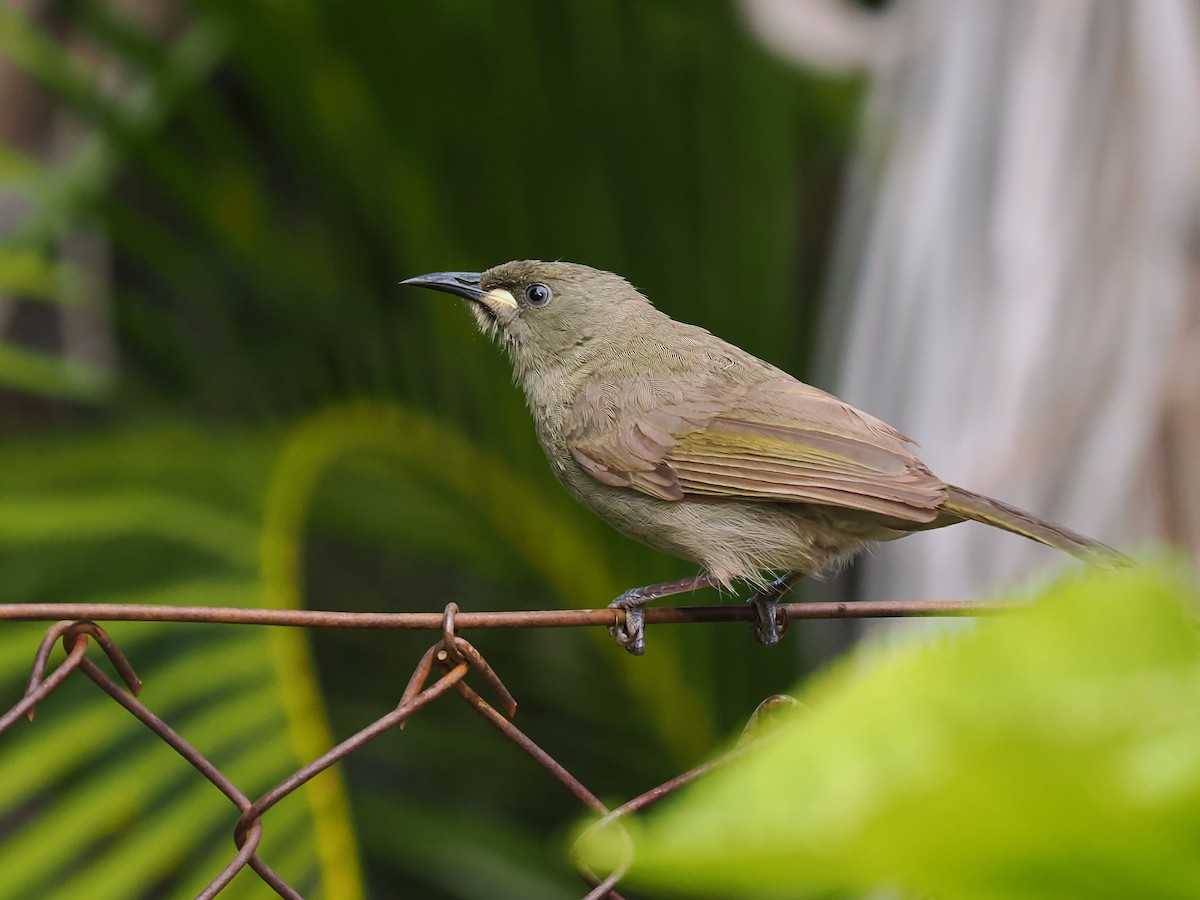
(534, 618)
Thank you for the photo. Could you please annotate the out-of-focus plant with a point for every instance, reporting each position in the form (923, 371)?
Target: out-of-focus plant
(263, 179)
(1051, 753)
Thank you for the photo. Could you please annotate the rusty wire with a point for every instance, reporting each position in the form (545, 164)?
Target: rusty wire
(452, 655)
(531, 618)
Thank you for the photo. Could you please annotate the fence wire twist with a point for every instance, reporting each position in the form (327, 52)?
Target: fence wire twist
(454, 658)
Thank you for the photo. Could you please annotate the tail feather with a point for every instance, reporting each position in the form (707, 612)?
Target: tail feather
(983, 509)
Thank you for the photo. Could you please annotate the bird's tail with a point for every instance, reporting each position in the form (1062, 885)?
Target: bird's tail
(983, 509)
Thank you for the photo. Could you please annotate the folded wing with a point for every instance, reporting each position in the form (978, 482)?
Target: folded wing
(780, 441)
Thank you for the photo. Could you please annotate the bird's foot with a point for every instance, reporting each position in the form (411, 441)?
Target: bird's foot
(630, 632)
(772, 622)
(770, 625)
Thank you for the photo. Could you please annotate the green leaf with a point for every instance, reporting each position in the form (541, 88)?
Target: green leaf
(101, 514)
(1052, 753)
(42, 373)
(28, 274)
(153, 517)
(18, 169)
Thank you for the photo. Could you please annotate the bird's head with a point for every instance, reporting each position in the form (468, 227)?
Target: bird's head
(551, 316)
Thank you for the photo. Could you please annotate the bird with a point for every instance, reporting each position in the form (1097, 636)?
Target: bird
(689, 444)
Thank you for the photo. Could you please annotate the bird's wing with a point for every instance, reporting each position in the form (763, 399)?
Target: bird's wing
(777, 441)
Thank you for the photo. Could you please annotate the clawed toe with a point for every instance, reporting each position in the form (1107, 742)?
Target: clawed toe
(771, 624)
(631, 633)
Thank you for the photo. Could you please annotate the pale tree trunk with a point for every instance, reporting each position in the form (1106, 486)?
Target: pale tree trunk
(1016, 283)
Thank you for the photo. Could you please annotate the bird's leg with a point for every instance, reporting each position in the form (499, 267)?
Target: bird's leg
(768, 628)
(632, 633)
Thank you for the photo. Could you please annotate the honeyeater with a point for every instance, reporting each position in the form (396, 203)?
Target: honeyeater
(699, 449)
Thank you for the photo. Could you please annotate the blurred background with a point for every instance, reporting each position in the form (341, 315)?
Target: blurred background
(975, 219)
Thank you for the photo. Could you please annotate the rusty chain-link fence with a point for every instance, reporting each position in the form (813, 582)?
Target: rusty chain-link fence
(452, 659)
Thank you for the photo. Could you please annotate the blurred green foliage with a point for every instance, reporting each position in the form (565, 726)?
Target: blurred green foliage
(1047, 754)
(289, 428)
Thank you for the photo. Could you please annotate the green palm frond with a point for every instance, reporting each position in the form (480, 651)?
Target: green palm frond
(86, 770)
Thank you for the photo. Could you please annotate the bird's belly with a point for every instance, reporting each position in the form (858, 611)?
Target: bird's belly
(731, 539)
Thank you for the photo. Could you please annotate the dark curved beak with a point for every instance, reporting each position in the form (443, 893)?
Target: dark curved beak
(461, 284)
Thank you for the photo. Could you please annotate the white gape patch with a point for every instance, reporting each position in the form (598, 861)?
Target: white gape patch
(500, 297)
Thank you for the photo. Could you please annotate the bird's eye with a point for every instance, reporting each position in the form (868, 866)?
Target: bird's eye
(537, 294)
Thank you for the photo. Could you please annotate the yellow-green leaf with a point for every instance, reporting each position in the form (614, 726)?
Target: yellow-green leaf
(1052, 753)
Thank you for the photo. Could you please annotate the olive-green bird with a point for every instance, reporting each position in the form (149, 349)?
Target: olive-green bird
(693, 446)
